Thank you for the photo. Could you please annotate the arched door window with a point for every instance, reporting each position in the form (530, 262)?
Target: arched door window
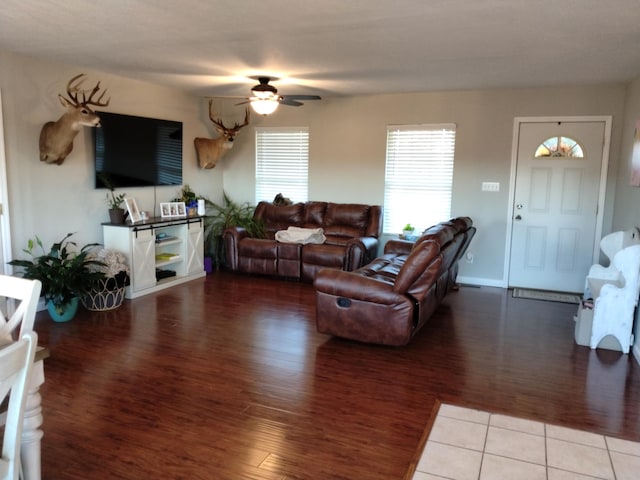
(559, 147)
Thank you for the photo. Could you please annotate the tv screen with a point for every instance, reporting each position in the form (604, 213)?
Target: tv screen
(135, 151)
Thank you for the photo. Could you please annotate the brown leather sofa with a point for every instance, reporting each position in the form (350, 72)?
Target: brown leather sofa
(388, 300)
(351, 232)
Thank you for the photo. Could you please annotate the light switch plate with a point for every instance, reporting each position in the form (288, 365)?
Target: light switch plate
(490, 186)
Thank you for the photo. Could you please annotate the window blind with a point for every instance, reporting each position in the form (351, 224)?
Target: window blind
(282, 163)
(418, 176)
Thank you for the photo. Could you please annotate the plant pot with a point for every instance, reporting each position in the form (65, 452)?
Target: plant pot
(63, 313)
(106, 297)
(407, 233)
(116, 215)
(208, 264)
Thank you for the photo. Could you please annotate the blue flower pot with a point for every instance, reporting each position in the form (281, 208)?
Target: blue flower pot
(65, 313)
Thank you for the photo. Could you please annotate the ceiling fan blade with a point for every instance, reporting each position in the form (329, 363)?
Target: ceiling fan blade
(243, 103)
(290, 102)
(301, 97)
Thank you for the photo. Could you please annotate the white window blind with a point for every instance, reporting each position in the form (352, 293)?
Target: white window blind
(418, 176)
(282, 163)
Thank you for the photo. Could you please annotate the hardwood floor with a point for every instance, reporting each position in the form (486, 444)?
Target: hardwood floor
(227, 378)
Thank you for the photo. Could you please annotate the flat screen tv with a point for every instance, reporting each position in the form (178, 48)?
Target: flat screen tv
(135, 151)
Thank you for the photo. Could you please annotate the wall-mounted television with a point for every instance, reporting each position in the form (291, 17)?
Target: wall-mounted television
(135, 151)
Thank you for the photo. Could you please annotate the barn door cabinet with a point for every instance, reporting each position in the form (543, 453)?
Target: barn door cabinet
(160, 253)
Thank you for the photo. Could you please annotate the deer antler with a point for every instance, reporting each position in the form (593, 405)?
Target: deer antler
(98, 102)
(246, 119)
(218, 122)
(73, 89)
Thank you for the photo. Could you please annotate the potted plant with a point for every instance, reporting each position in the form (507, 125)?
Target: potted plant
(217, 218)
(190, 200)
(106, 293)
(64, 271)
(221, 217)
(408, 230)
(114, 201)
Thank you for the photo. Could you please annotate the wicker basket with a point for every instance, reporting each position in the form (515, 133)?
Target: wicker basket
(105, 298)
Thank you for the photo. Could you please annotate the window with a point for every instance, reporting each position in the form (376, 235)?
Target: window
(418, 176)
(282, 163)
(559, 147)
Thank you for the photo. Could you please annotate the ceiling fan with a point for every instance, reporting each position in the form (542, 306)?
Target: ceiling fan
(265, 99)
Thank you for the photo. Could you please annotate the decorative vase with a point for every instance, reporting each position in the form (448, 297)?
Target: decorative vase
(105, 297)
(63, 313)
(116, 215)
(407, 233)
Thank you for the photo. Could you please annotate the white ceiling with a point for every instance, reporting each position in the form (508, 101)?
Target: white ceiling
(334, 47)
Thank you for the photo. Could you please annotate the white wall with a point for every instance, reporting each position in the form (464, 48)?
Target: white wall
(50, 200)
(627, 203)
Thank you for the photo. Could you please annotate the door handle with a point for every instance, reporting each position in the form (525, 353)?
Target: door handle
(518, 217)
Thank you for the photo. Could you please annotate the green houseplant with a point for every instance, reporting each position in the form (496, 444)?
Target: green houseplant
(190, 199)
(64, 271)
(408, 230)
(221, 217)
(114, 200)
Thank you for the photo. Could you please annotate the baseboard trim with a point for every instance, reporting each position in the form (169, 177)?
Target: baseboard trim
(636, 352)
(481, 282)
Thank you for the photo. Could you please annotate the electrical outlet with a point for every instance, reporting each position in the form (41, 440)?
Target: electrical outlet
(490, 186)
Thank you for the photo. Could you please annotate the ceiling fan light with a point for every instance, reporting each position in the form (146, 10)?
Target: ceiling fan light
(263, 95)
(264, 106)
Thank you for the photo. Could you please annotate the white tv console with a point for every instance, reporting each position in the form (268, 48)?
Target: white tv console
(169, 245)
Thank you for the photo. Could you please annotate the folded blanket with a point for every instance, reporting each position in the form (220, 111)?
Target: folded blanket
(301, 235)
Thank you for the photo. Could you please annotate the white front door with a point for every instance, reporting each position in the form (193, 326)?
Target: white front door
(555, 204)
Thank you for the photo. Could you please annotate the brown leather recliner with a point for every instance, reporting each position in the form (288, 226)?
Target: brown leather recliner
(388, 300)
(351, 232)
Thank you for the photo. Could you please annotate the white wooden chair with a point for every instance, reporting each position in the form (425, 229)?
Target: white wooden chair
(16, 361)
(599, 275)
(615, 304)
(20, 301)
(18, 305)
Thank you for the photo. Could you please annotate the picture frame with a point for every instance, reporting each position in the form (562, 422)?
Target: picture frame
(165, 210)
(173, 209)
(132, 208)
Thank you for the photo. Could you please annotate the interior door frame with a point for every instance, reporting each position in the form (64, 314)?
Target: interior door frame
(606, 146)
(5, 223)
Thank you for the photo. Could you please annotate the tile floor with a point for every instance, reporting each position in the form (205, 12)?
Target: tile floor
(466, 444)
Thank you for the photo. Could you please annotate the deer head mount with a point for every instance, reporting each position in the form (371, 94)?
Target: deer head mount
(56, 138)
(211, 150)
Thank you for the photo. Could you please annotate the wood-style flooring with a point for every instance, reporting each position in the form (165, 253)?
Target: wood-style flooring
(227, 378)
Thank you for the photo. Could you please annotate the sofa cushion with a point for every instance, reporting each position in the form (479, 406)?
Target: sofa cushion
(345, 220)
(416, 263)
(258, 248)
(279, 217)
(331, 256)
(314, 214)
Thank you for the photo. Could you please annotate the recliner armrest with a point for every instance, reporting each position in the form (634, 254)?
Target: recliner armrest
(360, 251)
(354, 286)
(398, 246)
(231, 237)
